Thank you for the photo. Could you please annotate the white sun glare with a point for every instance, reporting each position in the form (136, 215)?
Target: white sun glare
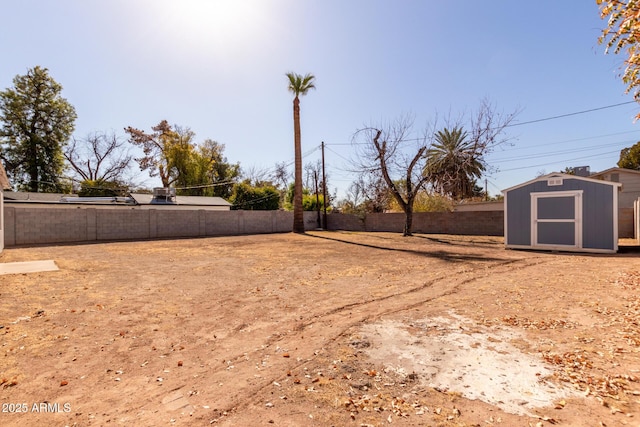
(215, 26)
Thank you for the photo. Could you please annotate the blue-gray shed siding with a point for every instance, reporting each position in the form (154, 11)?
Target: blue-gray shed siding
(597, 212)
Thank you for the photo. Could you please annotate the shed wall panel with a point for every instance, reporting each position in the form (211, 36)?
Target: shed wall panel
(597, 219)
(519, 217)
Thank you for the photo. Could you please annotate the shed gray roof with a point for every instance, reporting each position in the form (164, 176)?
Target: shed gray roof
(146, 199)
(563, 176)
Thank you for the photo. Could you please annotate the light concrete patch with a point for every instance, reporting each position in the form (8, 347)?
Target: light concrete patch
(455, 354)
(27, 267)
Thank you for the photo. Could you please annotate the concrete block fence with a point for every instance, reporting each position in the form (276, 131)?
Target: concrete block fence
(34, 226)
(28, 225)
(481, 223)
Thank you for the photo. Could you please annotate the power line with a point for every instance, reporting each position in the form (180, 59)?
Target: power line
(215, 184)
(560, 116)
(570, 114)
(571, 140)
(559, 161)
(558, 152)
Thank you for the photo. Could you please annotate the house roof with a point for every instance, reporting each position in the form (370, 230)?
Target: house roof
(147, 199)
(4, 181)
(138, 198)
(34, 197)
(563, 176)
(615, 170)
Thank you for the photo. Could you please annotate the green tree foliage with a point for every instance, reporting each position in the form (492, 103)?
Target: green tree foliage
(194, 169)
(453, 163)
(622, 34)
(298, 85)
(37, 122)
(630, 157)
(249, 197)
(156, 147)
(219, 172)
(309, 200)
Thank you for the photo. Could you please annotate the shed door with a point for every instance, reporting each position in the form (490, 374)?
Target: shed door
(556, 219)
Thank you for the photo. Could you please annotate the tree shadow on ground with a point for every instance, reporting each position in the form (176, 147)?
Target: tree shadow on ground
(475, 241)
(437, 254)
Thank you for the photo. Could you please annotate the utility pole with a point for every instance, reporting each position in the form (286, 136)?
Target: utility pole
(486, 189)
(324, 192)
(315, 178)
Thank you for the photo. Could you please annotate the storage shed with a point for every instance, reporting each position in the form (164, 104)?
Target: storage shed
(562, 212)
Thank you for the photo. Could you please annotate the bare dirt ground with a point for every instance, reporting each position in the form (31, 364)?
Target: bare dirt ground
(322, 329)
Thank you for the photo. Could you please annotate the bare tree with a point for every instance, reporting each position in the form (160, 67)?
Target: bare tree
(387, 152)
(487, 128)
(390, 152)
(281, 175)
(256, 176)
(99, 157)
(356, 192)
(369, 193)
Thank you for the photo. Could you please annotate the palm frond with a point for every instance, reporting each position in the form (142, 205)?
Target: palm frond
(299, 84)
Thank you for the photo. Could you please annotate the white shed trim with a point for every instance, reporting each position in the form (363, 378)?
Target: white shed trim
(576, 220)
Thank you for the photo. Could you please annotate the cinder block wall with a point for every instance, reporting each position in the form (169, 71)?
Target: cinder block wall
(483, 223)
(31, 226)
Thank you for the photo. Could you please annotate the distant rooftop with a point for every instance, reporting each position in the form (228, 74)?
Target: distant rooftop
(148, 199)
(140, 199)
(35, 197)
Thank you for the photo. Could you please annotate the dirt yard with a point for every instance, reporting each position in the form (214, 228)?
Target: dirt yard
(322, 329)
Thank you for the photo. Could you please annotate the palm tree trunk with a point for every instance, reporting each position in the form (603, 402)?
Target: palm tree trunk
(298, 214)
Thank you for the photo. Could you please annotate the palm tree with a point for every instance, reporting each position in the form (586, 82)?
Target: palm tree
(453, 163)
(298, 85)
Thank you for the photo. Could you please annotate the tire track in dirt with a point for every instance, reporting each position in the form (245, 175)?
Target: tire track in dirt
(319, 331)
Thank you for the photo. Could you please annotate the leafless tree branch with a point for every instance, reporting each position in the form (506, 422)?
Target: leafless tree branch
(99, 156)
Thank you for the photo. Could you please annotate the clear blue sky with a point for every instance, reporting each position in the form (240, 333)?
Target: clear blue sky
(219, 68)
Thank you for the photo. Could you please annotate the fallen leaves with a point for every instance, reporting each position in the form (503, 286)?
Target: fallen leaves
(577, 369)
(544, 324)
(379, 403)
